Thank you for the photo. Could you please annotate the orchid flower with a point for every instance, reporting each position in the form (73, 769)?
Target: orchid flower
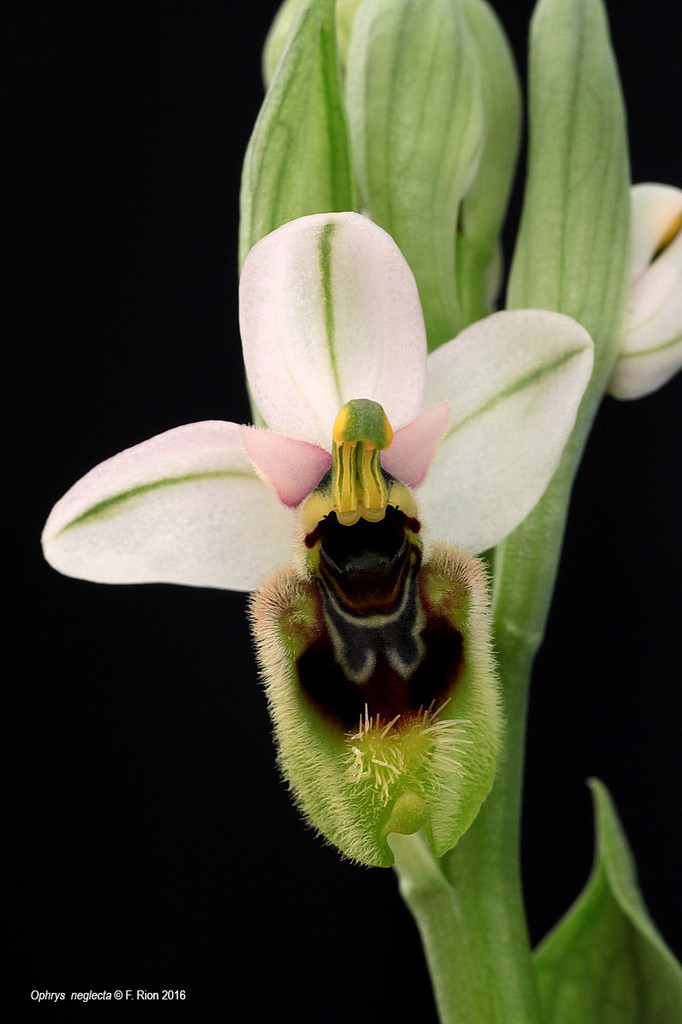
(373, 641)
(651, 351)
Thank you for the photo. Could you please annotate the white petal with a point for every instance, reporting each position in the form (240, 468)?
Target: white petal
(184, 507)
(292, 467)
(329, 311)
(651, 352)
(514, 382)
(653, 209)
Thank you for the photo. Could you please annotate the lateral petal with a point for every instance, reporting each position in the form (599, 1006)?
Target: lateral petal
(184, 507)
(414, 445)
(514, 381)
(291, 466)
(329, 311)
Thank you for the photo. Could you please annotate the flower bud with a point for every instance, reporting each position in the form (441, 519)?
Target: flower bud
(297, 161)
(651, 351)
(572, 247)
(415, 118)
(282, 22)
(478, 256)
(276, 37)
(377, 663)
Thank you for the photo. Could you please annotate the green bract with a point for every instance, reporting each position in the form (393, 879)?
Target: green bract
(297, 161)
(572, 251)
(415, 115)
(571, 255)
(283, 20)
(478, 255)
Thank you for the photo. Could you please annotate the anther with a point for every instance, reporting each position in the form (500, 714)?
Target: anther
(361, 431)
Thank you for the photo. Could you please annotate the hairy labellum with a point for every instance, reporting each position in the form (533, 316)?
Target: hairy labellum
(379, 675)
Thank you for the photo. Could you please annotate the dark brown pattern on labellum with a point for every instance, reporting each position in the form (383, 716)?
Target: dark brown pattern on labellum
(383, 647)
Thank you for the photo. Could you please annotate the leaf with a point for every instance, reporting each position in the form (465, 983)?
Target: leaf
(605, 962)
(298, 159)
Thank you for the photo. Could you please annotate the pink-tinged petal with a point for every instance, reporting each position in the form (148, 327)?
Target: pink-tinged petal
(329, 311)
(514, 381)
(414, 445)
(292, 467)
(185, 507)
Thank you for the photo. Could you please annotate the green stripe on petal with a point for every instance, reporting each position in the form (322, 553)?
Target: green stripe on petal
(652, 351)
(639, 373)
(532, 379)
(329, 312)
(325, 251)
(514, 382)
(111, 506)
(184, 507)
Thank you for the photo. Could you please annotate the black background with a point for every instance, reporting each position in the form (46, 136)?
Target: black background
(153, 845)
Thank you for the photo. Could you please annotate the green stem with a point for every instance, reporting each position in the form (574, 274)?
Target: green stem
(450, 955)
(469, 907)
(485, 874)
(473, 921)
(571, 256)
